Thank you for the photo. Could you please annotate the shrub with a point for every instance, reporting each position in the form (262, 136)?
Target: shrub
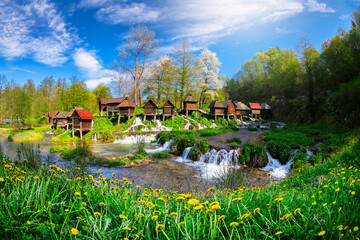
(253, 129)
(279, 150)
(57, 149)
(234, 145)
(253, 155)
(161, 155)
(139, 144)
(107, 136)
(59, 131)
(299, 159)
(181, 142)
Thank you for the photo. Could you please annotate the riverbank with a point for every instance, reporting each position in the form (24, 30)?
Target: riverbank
(326, 195)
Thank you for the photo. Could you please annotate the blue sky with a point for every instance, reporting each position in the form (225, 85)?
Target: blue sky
(40, 38)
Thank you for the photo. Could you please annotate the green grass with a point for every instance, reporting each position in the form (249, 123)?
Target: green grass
(161, 155)
(316, 199)
(24, 135)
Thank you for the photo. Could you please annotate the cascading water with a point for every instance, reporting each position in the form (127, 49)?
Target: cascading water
(131, 139)
(94, 137)
(186, 153)
(166, 147)
(137, 122)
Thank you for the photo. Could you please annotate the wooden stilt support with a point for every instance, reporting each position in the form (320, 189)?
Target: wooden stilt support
(119, 119)
(81, 134)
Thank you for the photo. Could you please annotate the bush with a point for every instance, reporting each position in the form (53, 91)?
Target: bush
(237, 140)
(161, 155)
(194, 153)
(140, 155)
(181, 142)
(200, 147)
(299, 159)
(139, 144)
(175, 124)
(103, 124)
(234, 145)
(253, 129)
(289, 137)
(59, 131)
(279, 150)
(253, 155)
(107, 136)
(57, 149)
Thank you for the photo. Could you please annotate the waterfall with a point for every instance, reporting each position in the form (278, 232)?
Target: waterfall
(275, 168)
(131, 139)
(186, 153)
(94, 137)
(166, 147)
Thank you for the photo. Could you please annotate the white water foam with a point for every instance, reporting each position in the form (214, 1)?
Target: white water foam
(131, 139)
(166, 147)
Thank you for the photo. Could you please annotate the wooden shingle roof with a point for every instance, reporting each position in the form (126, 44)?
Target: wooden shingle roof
(255, 106)
(127, 103)
(190, 98)
(115, 100)
(241, 106)
(151, 103)
(265, 106)
(61, 114)
(168, 104)
(217, 104)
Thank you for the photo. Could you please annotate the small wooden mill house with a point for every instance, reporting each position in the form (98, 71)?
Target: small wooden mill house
(126, 108)
(61, 120)
(111, 106)
(255, 110)
(189, 105)
(242, 110)
(51, 115)
(150, 109)
(230, 109)
(168, 110)
(82, 121)
(102, 106)
(265, 110)
(217, 108)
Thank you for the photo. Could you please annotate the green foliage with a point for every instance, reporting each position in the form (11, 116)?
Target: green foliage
(103, 124)
(64, 138)
(213, 131)
(194, 153)
(139, 111)
(234, 145)
(161, 155)
(221, 122)
(176, 124)
(279, 150)
(236, 140)
(139, 144)
(58, 149)
(253, 129)
(253, 155)
(290, 137)
(181, 142)
(59, 131)
(199, 147)
(299, 159)
(140, 155)
(25, 135)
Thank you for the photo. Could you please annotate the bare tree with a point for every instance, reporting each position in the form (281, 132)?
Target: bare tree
(135, 55)
(121, 83)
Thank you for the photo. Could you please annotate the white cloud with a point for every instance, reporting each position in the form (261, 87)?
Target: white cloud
(90, 65)
(34, 29)
(314, 6)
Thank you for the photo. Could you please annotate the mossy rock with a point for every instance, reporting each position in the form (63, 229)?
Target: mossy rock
(253, 155)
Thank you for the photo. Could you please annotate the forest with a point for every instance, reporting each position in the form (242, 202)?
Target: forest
(301, 84)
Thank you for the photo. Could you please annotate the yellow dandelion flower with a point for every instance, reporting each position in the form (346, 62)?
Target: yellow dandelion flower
(79, 218)
(2, 179)
(256, 210)
(96, 213)
(314, 203)
(334, 202)
(355, 229)
(234, 224)
(324, 204)
(179, 198)
(159, 227)
(126, 228)
(278, 233)
(198, 207)
(321, 233)
(237, 199)
(156, 212)
(66, 210)
(77, 194)
(211, 189)
(221, 217)
(338, 189)
(123, 216)
(28, 222)
(353, 192)
(74, 231)
(193, 201)
(181, 223)
(154, 217)
(187, 195)
(209, 211)
(174, 214)
(215, 207)
(297, 210)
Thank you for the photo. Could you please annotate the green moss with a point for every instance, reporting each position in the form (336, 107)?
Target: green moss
(161, 155)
